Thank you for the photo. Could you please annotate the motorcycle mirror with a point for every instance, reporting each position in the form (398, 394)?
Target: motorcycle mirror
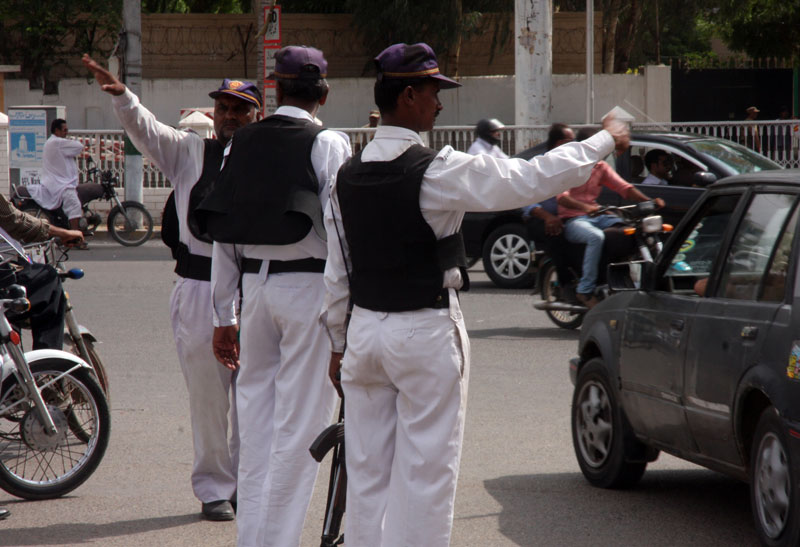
(75, 273)
(629, 276)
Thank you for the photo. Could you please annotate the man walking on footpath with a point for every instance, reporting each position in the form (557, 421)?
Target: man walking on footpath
(192, 165)
(265, 216)
(398, 207)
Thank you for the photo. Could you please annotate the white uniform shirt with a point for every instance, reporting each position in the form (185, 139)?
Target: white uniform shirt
(59, 171)
(481, 146)
(330, 150)
(654, 180)
(178, 154)
(454, 183)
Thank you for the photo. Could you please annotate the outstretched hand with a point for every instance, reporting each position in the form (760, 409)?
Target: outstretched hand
(619, 130)
(108, 82)
(225, 344)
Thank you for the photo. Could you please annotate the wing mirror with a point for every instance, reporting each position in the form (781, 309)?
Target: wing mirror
(703, 179)
(630, 276)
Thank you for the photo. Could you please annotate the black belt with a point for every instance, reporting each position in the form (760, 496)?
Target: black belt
(191, 266)
(311, 265)
(442, 300)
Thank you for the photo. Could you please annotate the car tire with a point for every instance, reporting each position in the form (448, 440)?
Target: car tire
(601, 437)
(774, 492)
(507, 257)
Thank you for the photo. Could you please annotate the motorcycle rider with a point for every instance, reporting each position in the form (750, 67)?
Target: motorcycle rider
(487, 133)
(574, 207)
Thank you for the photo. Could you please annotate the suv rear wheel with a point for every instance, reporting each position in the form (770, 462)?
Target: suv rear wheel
(507, 257)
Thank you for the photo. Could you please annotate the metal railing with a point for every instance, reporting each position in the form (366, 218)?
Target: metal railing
(779, 140)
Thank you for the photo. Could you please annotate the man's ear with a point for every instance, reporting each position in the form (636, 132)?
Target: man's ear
(324, 97)
(408, 95)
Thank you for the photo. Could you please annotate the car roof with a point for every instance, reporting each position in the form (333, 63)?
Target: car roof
(782, 176)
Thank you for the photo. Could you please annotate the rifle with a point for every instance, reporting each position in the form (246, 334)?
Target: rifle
(332, 438)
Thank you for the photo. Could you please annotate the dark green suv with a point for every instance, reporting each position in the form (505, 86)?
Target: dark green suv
(698, 353)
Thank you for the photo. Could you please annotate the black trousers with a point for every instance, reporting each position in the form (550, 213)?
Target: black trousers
(48, 305)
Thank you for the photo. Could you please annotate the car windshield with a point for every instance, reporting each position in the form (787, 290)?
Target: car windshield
(735, 156)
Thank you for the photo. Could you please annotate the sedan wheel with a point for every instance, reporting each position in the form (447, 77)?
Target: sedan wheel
(507, 257)
(774, 500)
(603, 443)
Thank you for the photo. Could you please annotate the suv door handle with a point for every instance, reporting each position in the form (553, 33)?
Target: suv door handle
(676, 324)
(749, 332)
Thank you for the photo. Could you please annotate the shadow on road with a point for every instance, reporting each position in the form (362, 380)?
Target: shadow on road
(563, 509)
(78, 533)
(527, 333)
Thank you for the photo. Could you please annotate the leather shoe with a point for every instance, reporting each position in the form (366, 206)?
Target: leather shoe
(4, 513)
(587, 300)
(218, 510)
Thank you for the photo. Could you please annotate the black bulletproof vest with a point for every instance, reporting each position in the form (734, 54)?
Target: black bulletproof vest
(267, 193)
(397, 263)
(212, 161)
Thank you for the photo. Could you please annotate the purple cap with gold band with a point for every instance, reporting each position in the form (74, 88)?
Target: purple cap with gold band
(246, 91)
(299, 62)
(404, 61)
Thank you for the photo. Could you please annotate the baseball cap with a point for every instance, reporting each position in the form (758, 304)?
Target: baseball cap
(404, 61)
(246, 91)
(302, 62)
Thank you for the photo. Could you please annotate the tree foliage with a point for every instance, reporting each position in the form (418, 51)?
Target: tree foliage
(760, 28)
(41, 35)
(197, 6)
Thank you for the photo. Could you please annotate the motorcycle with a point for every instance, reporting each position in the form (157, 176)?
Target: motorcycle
(54, 418)
(638, 237)
(129, 222)
(79, 339)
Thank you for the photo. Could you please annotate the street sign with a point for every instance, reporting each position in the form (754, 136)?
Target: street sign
(272, 19)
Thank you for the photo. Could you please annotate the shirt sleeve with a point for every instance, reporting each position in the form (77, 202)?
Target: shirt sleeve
(611, 179)
(70, 147)
(22, 226)
(224, 284)
(171, 150)
(456, 181)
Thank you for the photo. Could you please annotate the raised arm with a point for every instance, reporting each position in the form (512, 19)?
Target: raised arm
(171, 150)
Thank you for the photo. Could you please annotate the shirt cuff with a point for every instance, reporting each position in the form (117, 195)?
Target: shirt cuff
(603, 142)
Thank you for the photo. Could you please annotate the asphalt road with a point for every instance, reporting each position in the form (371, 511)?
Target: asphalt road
(519, 482)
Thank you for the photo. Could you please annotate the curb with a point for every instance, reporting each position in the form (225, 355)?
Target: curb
(102, 235)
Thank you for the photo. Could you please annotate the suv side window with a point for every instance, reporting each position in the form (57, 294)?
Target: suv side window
(756, 266)
(694, 259)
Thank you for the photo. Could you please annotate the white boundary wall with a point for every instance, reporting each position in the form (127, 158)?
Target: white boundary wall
(645, 96)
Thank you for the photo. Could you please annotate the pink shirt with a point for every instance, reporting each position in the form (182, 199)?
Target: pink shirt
(602, 175)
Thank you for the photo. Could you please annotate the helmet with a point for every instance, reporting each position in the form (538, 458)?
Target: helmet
(485, 127)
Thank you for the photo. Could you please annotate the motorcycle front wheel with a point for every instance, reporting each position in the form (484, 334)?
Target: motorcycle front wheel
(550, 293)
(130, 227)
(35, 465)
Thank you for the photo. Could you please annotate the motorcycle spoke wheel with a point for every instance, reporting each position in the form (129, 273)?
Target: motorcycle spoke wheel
(132, 227)
(36, 465)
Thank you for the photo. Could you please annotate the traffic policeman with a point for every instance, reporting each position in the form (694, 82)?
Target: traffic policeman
(192, 164)
(265, 216)
(398, 207)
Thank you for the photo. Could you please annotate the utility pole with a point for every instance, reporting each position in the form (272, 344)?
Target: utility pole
(132, 30)
(533, 61)
(589, 61)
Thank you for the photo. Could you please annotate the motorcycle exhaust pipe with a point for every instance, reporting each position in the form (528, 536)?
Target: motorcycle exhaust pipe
(561, 306)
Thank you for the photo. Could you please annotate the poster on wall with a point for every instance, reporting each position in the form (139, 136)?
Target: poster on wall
(27, 131)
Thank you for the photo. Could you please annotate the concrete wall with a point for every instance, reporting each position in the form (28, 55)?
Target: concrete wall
(5, 181)
(645, 96)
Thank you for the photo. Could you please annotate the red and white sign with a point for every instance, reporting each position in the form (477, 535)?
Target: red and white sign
(272, 18)
(269, 61)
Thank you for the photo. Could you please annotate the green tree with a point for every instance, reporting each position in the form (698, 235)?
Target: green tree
(760, 28)
(41, 35)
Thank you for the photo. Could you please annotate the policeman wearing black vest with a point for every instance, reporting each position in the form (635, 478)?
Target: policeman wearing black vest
(192, 164)
(265, 216)
(395, 213)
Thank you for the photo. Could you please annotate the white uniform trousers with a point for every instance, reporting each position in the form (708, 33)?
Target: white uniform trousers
(284, 400)
(405, 378)
(210, 387)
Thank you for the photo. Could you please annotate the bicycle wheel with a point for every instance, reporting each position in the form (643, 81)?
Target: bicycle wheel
(132, 227)
(35, 465)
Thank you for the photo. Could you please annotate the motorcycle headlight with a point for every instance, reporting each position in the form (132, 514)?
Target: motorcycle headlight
(651, 224)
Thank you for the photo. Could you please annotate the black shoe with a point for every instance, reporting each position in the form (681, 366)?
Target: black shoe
(218, 510)
(4, 513)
